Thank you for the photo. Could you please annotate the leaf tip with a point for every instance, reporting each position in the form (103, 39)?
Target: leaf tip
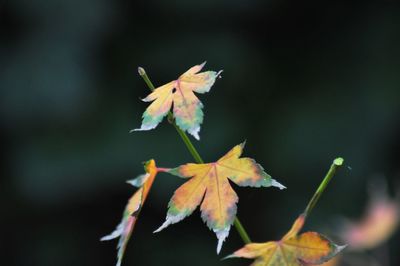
(106, 238)
(138, 181)
(162, 227)
(221, 235)
(229, 257)
(336, 249)
(171, 219)
(275, 183)
(116, 233)
(339, 248)
(243, 144)
(195, 132)
(143, 128)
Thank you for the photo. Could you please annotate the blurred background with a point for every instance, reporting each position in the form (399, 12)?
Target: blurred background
(303, 83)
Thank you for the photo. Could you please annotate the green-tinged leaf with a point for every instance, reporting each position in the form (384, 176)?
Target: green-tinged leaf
(209, 186)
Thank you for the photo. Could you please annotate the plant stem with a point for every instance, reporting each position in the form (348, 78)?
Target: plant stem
(189, 145)
(146, 79)
(242, 232)
(332, 170)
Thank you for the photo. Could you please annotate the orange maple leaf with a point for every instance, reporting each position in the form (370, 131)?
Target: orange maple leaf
(132, 209)
(308, 248)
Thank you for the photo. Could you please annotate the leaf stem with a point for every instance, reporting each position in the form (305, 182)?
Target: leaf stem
(189, 144)
(193, 151)
(146, 79)
(242, 232)
(332, 170)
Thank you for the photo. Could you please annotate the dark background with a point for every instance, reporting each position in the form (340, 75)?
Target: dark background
(303, 82)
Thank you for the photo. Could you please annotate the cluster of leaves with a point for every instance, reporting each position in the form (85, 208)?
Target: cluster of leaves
(208, 184)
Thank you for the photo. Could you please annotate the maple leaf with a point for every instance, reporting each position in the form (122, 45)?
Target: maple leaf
(187, 108)
(210, 181)
(308, 248)
(132, 209)
(379, 223)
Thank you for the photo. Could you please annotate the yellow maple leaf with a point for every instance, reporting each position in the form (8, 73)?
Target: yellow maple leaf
(209, 186)
(187, 108)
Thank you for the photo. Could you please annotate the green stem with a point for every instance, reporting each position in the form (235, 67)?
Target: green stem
(332, 170)
(189, 145)
(146, 79)
(242, 232)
